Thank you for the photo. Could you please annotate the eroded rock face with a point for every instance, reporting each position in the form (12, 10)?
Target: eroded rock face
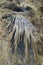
(20, 42)
(21, 30)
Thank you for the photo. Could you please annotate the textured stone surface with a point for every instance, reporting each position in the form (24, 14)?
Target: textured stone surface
(21, 32)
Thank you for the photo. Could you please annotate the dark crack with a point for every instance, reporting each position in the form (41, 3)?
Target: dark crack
(12, 41)
(13, 7)
(21, 45)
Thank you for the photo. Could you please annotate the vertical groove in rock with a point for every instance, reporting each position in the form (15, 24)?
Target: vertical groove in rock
(12, 41)
(21, 46)
(31, 53)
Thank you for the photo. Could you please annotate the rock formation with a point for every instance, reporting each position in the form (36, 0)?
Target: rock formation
(21, 32)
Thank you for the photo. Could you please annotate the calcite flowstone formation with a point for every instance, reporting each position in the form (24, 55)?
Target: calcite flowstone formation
(23, 36)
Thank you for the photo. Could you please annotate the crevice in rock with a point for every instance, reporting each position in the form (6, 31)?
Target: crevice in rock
(10, 0)
(12, 41)
(41, 9)
(28, 8)
(30, 50)
(21, 46)
(13, 7)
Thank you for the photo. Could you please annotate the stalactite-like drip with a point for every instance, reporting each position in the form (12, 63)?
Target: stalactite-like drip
(21, 41)
(21, 45)
(21, 49)
(26, 51)
(31, 53)
(12, 41)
